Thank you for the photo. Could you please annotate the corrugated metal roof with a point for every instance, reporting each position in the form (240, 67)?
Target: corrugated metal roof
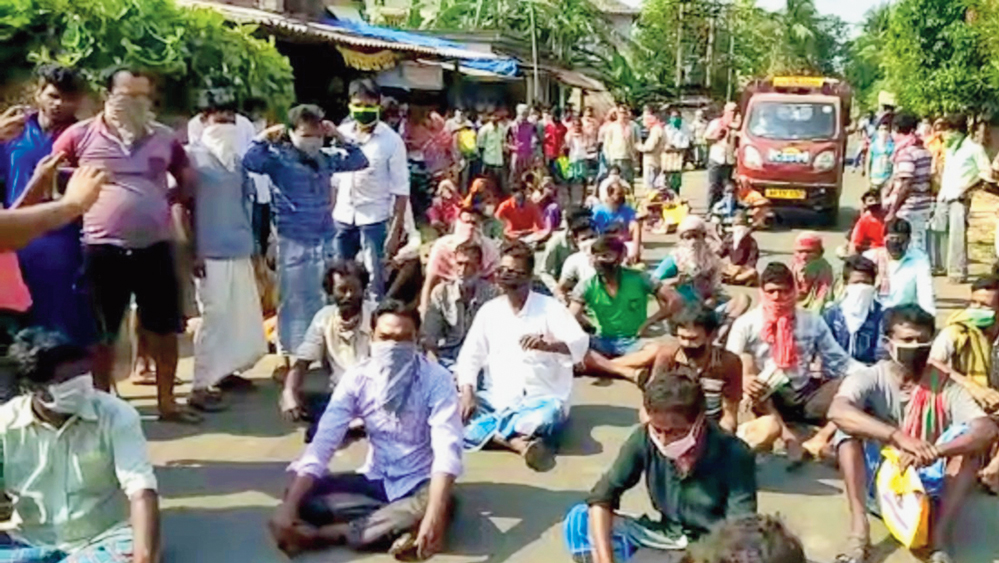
(293, 27)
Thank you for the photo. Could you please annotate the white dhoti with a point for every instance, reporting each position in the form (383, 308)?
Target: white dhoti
(231, 335)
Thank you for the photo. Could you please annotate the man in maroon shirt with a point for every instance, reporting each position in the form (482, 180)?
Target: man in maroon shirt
(128, 233)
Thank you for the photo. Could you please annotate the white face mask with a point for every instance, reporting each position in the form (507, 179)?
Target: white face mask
(311, 146)
(677, 448)
(489, 210)
(70, 396)
(220, 139)
(856, 305)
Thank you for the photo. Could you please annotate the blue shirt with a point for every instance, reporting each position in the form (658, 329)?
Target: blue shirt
(52, 263)
(865, 344)
(607, 220)
(668, 269)
(300, 187)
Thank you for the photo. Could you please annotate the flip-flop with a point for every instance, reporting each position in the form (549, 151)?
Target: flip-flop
(182, 416)
(210, 404)
(404, 548)
(236, 383)
(856, 550)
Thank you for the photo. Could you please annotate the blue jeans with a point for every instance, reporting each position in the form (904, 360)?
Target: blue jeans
(615, 346)
(369, 240)
(300, 269)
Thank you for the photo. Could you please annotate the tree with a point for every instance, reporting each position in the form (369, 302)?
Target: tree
(189, 49)
(865, 58)
(936, 61)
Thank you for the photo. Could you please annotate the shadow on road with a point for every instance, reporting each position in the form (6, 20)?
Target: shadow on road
(578, 438)
(773, 476)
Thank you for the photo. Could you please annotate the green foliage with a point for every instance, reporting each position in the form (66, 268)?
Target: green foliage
(189, 49)
(864, 68)
(936, 61)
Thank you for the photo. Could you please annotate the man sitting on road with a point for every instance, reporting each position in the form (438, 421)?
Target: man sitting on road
(616, 302)
(616, 217)
(563, 244)
(777, 343)
(903, 269)
(695, 474)
(75, 463)
(410, 411)
(855, 318)
(966, 349)
(339, 337)
(454, 305)
(442, 264)
(525, 345)
(578, 267)
(908, 404)
(522, 219)
(869, 230)
(694, 355)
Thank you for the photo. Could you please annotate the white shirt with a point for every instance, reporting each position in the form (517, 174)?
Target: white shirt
(513, 374)
(577, 267)
(245, 132)
(963, 168)
(721, 151)
(367, 196)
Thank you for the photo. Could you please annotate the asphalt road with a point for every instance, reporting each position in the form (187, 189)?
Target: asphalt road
(220, 482)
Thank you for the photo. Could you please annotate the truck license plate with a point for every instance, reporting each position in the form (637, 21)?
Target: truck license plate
(775, 193)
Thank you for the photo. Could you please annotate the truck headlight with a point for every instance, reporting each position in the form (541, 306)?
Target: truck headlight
(825, 161)
(751, 158)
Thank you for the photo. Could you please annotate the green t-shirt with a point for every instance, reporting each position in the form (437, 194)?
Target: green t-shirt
(623, 314)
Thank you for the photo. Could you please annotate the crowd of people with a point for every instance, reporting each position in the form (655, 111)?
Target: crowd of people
(466, 328)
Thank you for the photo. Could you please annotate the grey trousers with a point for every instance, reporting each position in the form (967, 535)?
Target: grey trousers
(361, 503)
(952, 218)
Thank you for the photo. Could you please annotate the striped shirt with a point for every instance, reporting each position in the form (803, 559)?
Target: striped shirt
(914, 164)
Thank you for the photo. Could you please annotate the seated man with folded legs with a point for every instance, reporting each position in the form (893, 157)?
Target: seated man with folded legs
(616, 302)
(339, 337)
(966, 349)
(454, 304)
(75, 463)
(695, 474)
(934, 423)
(411, 414)
(778, 344)
(525, 345)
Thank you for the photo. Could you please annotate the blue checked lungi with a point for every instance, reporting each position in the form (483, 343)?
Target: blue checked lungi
(541, 417)
(113, 548)
(300, 270)
(628, 535)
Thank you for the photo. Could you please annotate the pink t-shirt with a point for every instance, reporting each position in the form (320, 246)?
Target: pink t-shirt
(441, 261)
(133, 210)
(14, 295)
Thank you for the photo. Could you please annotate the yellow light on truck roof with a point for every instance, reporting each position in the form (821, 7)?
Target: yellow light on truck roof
(799, 81)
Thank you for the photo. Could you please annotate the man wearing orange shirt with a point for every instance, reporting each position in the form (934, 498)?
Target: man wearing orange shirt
(521, 217)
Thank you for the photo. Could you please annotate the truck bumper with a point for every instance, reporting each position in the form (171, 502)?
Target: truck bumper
(789, 195)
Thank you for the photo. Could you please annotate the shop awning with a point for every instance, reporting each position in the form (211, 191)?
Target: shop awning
(365, 36)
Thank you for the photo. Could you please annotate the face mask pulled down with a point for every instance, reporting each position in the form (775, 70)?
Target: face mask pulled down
(70, 396)
(681, 447)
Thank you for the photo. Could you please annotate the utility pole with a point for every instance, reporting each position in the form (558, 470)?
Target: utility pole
(731, 62)
(533, 95)
(679, 47)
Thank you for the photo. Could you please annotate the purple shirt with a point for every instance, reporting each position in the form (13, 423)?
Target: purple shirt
(524, 135)
(133, 210)
(425, 439)
(552, 216)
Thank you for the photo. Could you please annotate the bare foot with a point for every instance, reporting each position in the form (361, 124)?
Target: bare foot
(815, 447)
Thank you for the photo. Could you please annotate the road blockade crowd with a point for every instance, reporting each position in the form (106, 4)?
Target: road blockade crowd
(480, 346)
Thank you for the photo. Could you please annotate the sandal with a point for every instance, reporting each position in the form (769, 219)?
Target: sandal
(856, 550)
(404, 548)
(236, 383)
(207, 402)
(180, 415)
(939, 556)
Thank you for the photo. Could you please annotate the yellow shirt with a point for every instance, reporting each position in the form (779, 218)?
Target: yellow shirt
(71, 485)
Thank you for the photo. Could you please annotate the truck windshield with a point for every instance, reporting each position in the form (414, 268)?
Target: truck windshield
(792, 121)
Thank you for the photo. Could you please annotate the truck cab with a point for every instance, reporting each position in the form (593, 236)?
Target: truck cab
(792, 142)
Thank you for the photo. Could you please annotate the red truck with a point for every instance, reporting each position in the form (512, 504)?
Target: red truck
(792, 142)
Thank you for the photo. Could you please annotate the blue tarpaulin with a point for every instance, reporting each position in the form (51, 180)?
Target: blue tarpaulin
(488, 63)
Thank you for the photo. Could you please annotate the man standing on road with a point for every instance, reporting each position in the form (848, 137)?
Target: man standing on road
(910, 195)
(127, 234)
(932, 423)
(492, 141)
(371, 203)
(652, 149)
(720, 134)
(966, 166)
(300, 173)
(51, 264)
(620, 138)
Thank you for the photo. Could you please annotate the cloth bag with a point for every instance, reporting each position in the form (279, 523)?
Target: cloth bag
(904, 502)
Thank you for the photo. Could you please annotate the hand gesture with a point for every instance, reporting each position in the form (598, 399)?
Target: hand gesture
(12, 122)
(43, 179)
(273, 133)
(468, 404)
(333, 132)
(84, 187)
(914, 450)
(291, 407)
(430, 538)
(755, 390)
(533, 342)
